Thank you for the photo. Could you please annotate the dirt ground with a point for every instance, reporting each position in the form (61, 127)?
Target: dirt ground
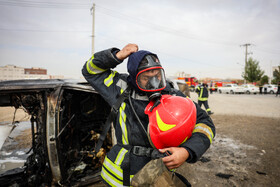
(245, 152)
(246, 149)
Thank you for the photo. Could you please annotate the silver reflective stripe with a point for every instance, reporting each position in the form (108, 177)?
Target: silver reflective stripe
(122, 84)
(120, 156)
(113, 168)
(109, 80)
(110, 179)
(134, 95)
(122, 121)
(205, 129)
(92, 68)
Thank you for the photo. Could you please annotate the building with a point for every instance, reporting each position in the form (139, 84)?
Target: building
(12, 72)
(35, 71)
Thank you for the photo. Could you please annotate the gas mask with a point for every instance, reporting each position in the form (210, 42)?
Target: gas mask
(150, 77)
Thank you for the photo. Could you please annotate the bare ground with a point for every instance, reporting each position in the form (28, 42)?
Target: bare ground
(245, 152)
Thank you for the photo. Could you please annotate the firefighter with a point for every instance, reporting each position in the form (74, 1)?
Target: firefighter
(203, 95)
(145, 80)
(278, 89)
(211, 87)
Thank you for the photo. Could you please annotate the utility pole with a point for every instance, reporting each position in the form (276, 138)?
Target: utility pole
(93, 23)
(246, 53)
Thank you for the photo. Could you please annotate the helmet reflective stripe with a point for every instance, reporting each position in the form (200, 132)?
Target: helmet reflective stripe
(184, 140)
(202, 128)
(109, 80)
(122, 121)
(92, 68)
(163, 126)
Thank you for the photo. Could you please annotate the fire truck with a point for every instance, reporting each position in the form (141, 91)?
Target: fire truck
(191, 82)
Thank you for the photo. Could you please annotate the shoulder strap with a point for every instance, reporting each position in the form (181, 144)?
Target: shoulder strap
(111, 117)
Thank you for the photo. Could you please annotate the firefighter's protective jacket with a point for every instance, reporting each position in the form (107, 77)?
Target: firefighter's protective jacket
(98, 71)
(202, 92)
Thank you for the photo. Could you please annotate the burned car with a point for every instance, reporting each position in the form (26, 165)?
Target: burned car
(66, 119)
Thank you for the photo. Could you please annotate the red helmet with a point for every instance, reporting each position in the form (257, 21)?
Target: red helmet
(171, 122)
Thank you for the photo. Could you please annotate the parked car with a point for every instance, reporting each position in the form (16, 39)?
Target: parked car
(250, 88)
(231, 88)
(271, 88)
(66, 119)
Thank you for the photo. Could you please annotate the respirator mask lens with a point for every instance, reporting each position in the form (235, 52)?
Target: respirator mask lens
(152, 79)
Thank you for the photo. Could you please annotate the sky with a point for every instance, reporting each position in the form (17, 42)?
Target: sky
(203, 38)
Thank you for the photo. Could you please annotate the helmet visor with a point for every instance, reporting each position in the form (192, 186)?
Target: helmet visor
(151, 79)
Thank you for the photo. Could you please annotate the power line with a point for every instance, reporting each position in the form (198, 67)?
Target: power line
(266, 50)
(44, 4)
(157, 27)
(115, 14)
(112, 13)
(38, 30)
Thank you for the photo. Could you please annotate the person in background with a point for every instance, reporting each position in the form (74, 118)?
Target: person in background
(261, 88)
(278, 89)
(203, 95)
(265, 90)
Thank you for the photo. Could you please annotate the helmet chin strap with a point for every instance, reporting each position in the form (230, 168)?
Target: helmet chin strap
(154, 97)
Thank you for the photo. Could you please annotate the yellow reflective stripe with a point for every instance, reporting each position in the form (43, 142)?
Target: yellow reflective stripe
(202, 128)
(200, 95)
(161, 125)
(109, 80)
(202, 99)
(110, 179)
(122, 121)
(121, 91)
(114, 179)
(113, 168)
(208, 109)
(92, 68)
(184, 140)
(120, 156)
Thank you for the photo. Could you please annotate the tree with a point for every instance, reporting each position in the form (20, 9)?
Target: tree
(264, 80)
(252, 72)
(276, 75)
